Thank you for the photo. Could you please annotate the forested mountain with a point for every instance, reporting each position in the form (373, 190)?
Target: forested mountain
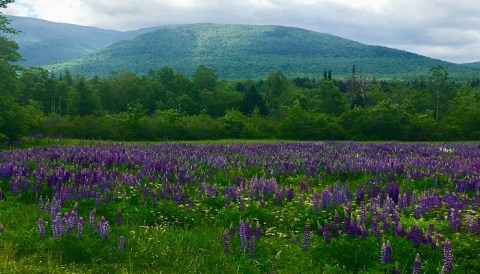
(42, 42)
(473, 65)
(251, 52)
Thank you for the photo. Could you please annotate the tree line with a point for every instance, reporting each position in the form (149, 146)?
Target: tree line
(167, 105)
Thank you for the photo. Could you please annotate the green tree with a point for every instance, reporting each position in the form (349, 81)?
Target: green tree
(204, 78)
(464, 112)
(329, 99)
(252, 100)
(8, 55)
(438, 80)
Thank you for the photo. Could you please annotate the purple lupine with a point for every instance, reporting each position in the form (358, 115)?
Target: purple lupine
(56, 228)
(118, 217)
(252, 246)
(316, 202)
(41, 229)
(79, 228)
(336, 221)
(242, 233)
(258, 231)
(374, 226)
(91, 219)
(417, 265)
(326, 232)
(102, 228)
(447, 257)
(121, 243)
(319, 229)
(306, 236)
(386, 253)
(226, 241)
(1, 228)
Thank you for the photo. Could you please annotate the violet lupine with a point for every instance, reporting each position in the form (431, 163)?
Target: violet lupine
(56, 229)
(242, 233)
(447, 257)
(79, 228)
(226, 241)
(91, 219)
(336, 221)
(306, 236)
(319, 229)
(1, 228)
(386, 253)
(121, 243)
(252, 246)
(41, 229)
(102, 228)
(417, 265)
(326, 232)
(316, 202)
(258, 231)
(118, 217)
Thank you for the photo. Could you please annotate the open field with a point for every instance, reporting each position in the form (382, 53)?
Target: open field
(233, 207)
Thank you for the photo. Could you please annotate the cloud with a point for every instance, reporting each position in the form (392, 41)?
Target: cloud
(443, 29)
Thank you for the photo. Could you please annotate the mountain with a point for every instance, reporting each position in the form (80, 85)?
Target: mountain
(473, 65)
(252, 52)
(232, 51)
(42, 42)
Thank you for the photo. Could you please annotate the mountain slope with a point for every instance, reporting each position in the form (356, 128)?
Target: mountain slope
(245, 51)
(42, 42)
(473, 65)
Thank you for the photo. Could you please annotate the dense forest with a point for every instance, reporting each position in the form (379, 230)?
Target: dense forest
(167, 105)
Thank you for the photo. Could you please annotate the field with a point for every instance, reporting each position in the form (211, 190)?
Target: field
(327, 207)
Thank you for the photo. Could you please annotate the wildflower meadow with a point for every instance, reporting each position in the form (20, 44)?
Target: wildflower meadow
(233, 207)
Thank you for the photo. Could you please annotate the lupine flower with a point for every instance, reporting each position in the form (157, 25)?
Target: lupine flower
(102, 228)
(258, 231)
(118, 217)
(242, 233)
(306, 235)
(79, 228)
(121, 243)
(336, 221)
(417, 265)
(91, 219)
(41, 229)
(386, 253)
(252, 246)
(226, 241)
(326, 232)
(56, 229)
(447, 257)
(1, 228)
(319, 229)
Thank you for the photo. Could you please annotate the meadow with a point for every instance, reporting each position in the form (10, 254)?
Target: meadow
(233, 207)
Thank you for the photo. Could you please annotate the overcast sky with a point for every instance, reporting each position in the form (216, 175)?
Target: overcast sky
(443, 29)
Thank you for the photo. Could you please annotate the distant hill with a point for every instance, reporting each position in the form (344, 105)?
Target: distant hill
(251, 52)
(233, 51)
(473, 65)
(42, 42)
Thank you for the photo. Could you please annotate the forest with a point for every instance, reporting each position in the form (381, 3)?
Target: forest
(165, 104)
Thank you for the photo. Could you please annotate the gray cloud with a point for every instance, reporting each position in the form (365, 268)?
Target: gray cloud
(447, 30)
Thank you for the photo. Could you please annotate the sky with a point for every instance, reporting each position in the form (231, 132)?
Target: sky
(443, 29)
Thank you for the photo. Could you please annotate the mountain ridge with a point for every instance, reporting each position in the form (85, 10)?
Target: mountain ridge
(234, 51)
(43, 42)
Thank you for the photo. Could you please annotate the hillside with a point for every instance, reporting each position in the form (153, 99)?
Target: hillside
(245, 51)
(473, 65)
(42, 42)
